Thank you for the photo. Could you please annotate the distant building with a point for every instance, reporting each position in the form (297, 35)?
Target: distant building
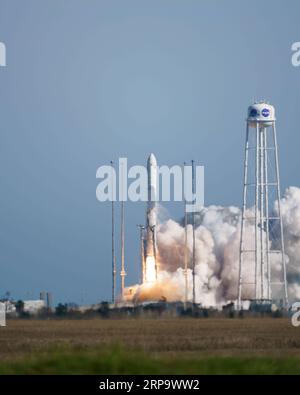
(90, 307)
(2, 314)
(10, 307)
(34, 306)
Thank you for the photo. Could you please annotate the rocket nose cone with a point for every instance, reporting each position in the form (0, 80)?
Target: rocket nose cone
(152, 160)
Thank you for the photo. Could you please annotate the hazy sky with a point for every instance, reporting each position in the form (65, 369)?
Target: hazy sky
(91, 81)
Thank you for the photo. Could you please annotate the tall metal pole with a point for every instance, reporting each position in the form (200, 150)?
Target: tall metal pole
(243, 218)
(113, 257)
(123, 273)
(280, 218)
(262, 244)
(194, 237)
(269, 292)
(185, 246)
(256, 210)
(142, 254)
(154, 250)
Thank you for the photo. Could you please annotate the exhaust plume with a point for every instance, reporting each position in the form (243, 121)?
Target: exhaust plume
(217, 255)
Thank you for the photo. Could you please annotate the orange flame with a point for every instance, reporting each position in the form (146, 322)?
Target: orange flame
(150, 270)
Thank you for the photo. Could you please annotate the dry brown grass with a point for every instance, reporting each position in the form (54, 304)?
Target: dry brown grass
(187, 337)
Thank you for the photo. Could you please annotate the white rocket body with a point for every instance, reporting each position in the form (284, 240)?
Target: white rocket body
(152, 190)
(151, 210)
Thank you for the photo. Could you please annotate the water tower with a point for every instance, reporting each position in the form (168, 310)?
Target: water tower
(262, 261)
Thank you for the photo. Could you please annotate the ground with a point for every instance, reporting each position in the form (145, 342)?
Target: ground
(134, 346)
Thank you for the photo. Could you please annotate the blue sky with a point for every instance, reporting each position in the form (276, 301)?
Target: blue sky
(88, 82)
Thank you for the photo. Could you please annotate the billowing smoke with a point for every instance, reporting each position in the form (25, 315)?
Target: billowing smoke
(217, 236)
(290, 208)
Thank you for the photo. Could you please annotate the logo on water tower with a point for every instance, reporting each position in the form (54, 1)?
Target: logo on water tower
(265, 112)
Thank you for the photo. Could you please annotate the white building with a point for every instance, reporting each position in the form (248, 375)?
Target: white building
(2, 314)
(33, 306)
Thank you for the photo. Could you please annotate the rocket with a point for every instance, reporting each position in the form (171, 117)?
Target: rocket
(151, 221)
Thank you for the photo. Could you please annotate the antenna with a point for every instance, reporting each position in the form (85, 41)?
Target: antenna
(194, 239)
(185, 245)
(142, 253)
(113, 257)
(122, 273)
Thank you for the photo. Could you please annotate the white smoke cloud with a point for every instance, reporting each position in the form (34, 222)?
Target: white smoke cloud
(217, 237)
(290, 209)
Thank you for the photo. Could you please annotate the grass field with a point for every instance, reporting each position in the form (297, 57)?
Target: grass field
(150, 346)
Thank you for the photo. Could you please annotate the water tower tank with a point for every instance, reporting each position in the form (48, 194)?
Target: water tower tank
(261, 113)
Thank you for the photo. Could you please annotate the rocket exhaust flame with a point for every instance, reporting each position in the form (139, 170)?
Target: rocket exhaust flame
(150, 270)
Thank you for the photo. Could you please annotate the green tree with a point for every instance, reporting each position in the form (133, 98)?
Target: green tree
(61, 309)
(19, 306)
(104, 309)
